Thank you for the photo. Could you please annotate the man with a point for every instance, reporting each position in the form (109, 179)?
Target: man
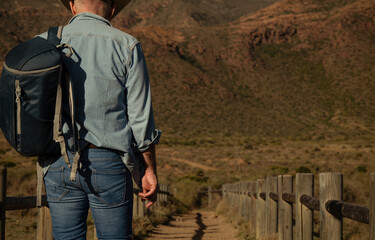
(115, 122)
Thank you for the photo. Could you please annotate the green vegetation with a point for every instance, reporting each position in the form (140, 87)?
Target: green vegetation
(362, 168)
(277, 170)
(303, 169)
(239, 94)
(198, 177)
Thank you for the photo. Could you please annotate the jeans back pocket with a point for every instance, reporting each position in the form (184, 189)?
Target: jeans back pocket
(110, 185)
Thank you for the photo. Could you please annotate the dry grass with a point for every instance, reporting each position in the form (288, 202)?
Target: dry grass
(249, 160)
(271, 158)
(230, 212)
(241, 109)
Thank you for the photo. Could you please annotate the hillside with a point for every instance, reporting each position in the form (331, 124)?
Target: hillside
(242, 89)
(224, 72)
(299, 70)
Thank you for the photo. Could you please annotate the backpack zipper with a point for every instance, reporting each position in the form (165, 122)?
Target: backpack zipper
(18, 107)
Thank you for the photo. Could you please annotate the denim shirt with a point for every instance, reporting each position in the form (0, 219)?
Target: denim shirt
(111, 87)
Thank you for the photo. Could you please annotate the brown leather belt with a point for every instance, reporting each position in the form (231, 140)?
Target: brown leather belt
(90, 145)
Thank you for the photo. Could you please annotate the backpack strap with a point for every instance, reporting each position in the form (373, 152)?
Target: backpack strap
(57, 122)
(75, 131)
(54, 36)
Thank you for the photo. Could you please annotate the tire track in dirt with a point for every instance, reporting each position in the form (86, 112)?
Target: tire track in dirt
(195, 225)
(194, 164)
(191, 163)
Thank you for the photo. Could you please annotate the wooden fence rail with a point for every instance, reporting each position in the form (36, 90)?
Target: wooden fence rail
(209, 194)
(44, 226)
(269, 206)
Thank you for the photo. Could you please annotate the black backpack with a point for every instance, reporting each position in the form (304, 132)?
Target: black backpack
(31, 96)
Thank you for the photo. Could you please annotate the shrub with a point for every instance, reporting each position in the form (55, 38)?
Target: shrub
(278, 170)
(8, 164)
(303, 169)
(362, 168)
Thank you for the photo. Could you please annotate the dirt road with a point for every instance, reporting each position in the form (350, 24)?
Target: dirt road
(195, 225)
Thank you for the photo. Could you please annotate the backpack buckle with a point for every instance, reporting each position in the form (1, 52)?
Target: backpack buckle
(65, 45)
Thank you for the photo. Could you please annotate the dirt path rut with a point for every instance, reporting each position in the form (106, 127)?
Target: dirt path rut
(195, 225)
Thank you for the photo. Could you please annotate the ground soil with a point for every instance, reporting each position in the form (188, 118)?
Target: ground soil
(195, 225)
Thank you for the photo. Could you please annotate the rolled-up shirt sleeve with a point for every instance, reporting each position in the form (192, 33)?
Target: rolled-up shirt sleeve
(139, 105)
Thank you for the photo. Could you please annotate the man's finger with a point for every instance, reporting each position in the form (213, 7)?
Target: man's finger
(149, 204)
(148, 194)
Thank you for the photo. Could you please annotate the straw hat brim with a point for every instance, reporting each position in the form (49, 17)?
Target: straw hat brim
(119, 5)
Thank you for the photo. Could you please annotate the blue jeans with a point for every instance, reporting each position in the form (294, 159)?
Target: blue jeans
(103, 184)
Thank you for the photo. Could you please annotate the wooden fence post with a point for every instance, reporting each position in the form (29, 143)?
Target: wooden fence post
(243, 200)
(261, 224)
(142, 208)
(135, 205)
(167, 194)
(285, 185)
(248, 201)
(224, 192)
(271, 206)
(3, 191)
(304, 216)
(158, 198)
(44, 221)
(372, 207)
(44, 224)
(253, 214)
(331, 185)
(164, 195)
(227, 193)
(237, 197)
(230, 196)
(161, 195)
(209, 193)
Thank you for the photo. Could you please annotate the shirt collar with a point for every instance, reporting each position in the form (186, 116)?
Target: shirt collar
(86, 16)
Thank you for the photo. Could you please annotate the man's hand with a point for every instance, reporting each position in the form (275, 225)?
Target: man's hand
(150, 188)
(150, 185)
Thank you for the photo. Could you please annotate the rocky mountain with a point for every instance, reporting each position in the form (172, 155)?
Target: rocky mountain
(226, 71)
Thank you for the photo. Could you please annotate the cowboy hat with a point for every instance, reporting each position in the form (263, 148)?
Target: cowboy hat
(119, 5)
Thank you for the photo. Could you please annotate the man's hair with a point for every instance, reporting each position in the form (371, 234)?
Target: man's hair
(100, 7)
